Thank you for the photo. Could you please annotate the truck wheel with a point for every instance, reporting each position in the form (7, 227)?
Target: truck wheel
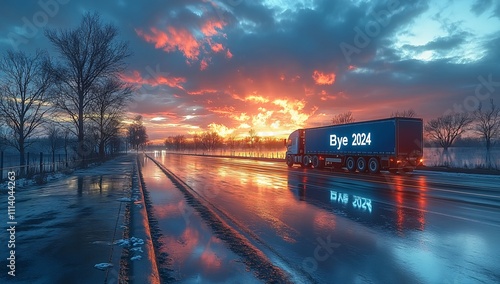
(361, 164)
(350, 164)
(374, 165)
(316, 163)
(289, 160)
(306, 161)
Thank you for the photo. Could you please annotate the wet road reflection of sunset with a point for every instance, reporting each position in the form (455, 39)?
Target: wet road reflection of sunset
(196, 255)
(323, 226)
(409, 199)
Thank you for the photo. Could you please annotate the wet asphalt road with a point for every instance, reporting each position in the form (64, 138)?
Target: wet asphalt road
(195, 253)
(331, 227)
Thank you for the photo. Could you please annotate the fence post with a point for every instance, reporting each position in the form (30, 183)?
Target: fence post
(41, 162)
(27, 171)
(1, 165)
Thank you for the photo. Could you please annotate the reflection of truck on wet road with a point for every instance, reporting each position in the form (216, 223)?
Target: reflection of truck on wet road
(387, 144)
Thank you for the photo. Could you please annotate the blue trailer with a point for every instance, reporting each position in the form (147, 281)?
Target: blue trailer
(387, 144)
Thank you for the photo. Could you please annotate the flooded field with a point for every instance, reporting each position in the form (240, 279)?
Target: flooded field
(462, 157)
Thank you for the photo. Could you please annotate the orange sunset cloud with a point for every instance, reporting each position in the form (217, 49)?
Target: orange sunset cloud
(323, 78)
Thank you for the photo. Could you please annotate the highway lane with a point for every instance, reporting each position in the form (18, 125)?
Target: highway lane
(331, 227)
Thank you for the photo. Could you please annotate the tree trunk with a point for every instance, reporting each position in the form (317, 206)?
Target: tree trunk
(102, 147)
(81, 144)
(66, 155)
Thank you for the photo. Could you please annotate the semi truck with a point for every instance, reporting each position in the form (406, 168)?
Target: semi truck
(392, 144)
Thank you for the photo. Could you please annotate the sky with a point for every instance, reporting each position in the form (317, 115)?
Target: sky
(275, 66)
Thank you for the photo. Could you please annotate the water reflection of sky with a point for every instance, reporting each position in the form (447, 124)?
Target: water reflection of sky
(430, 255)
(197, 256)
(469, 157)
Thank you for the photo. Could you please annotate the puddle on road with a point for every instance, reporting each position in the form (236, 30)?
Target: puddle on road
(196, 254)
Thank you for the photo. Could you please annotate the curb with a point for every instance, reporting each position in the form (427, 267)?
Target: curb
(144, 270)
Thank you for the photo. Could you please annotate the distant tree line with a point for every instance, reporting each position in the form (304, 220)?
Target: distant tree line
(77, 97)
(211, 140)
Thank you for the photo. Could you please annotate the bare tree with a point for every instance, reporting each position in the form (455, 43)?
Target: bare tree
(232, 142)
(3, 136)
(169, 142)
(253, 139)
(116, 142)
(211, 140)
(488, 123)
(24, 97)
(137, 136)
(445, 129)
(343, 118)
(272, 143)
(404, 113)
(110, 100)
(88, 53)
(179, 142)
(197, 141)
(66, 135)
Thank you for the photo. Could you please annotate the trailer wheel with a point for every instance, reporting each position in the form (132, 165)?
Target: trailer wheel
(361, 164)
(289, 160)
(316, 163)
(350, 164)
(374, 165)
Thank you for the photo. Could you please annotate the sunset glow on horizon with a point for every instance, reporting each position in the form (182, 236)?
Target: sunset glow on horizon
(276, 66)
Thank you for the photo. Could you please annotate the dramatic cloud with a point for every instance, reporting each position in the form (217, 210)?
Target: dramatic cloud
(275, 66)
(322, 78)
(136, 78)
(173, 39)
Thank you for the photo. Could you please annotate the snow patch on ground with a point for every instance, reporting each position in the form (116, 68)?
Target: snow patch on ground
(134, 199)
(137, 249)
(124, 199)
(135, 245)
(55, 176)
(103, 266)
(132, 242)
(137, 257)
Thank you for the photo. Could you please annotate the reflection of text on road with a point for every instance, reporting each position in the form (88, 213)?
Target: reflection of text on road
(358, 202)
